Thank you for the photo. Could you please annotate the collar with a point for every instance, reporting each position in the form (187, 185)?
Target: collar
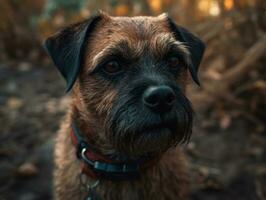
(96, 165)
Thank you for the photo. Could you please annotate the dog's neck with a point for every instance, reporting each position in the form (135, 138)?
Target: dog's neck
(91, 132)
(99, 164)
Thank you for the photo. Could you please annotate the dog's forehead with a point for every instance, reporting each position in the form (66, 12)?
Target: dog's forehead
(137, 28)
(132, 29)
(136, 33)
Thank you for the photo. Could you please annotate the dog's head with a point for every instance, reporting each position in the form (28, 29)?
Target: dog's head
(130, 75)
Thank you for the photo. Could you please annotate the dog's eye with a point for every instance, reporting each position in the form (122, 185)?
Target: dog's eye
(173, 62)
(112, 67)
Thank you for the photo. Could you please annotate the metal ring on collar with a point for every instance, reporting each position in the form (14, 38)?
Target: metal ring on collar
(83, 155)
(93, 185)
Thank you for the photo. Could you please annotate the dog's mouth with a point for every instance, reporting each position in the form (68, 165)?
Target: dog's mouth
(153, 138)
(150, 136)
(162, 126)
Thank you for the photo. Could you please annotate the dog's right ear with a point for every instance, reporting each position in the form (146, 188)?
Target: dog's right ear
(195, 46)
(66, 48)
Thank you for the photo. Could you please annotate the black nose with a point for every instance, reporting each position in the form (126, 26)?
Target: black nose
(159, 98)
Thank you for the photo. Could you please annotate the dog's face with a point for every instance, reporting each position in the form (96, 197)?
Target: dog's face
(130, 75)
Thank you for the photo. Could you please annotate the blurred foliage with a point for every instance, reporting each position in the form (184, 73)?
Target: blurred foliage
(24, 23)
(69, 6)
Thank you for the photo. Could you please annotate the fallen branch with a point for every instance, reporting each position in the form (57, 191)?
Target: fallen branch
(219, 88)
(245, 65)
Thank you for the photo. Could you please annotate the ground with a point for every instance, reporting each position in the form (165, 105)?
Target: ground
(225, 163)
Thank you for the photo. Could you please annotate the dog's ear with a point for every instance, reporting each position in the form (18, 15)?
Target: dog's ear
(195, 46)
(66, 48)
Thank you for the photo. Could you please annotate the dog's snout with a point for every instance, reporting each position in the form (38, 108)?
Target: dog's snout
(159, 98)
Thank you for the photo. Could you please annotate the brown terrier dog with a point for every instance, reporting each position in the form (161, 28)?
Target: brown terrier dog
(129, 111)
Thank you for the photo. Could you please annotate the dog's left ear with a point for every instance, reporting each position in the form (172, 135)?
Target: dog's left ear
(195, 46)
(66, 48)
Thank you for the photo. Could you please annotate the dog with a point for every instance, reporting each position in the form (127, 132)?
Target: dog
(127, 80)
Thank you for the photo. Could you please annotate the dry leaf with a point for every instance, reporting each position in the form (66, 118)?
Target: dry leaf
(14, 103)
(225, 121)
(27, 170)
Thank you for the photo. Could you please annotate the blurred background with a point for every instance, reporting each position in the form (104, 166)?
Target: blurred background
(227, 151)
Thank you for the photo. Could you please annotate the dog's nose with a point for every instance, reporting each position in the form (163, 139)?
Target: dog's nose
(159, 98)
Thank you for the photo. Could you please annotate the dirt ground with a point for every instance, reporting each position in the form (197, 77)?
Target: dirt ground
(226, 164)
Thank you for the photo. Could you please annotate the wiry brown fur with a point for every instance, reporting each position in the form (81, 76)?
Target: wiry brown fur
(92, 100)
